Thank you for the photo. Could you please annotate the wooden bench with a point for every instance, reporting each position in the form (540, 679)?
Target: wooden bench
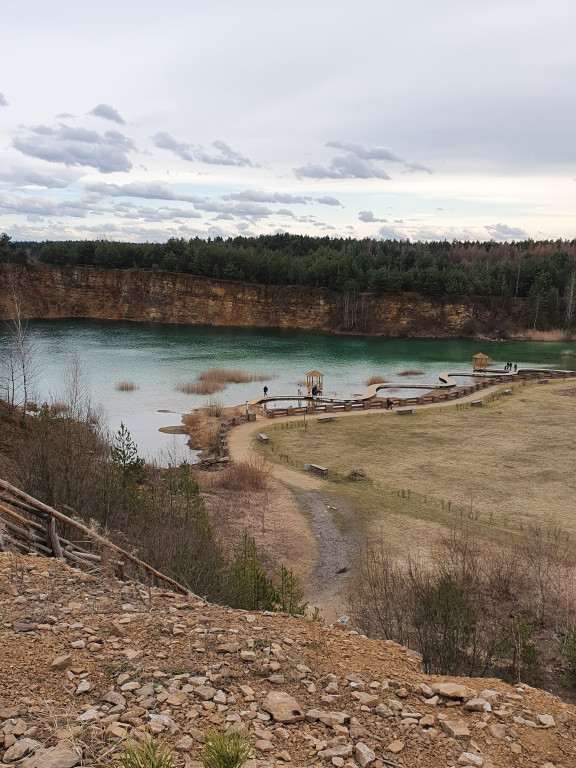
(507, 392)
(543, 381)
(318, 470)
(404, 411)
(327, 418)
(262, 438)
(477, 403)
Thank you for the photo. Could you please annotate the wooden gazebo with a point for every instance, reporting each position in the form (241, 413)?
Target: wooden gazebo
(479, 362)
(314, 378)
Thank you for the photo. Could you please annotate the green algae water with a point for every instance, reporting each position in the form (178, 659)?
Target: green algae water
(157, 358)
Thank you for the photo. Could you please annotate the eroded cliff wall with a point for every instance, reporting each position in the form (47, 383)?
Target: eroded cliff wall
(88, 292)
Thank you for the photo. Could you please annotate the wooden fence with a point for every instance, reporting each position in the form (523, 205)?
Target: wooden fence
(29, 526)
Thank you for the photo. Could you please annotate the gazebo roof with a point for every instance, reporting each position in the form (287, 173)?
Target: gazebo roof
(480, 354)
(314, 373)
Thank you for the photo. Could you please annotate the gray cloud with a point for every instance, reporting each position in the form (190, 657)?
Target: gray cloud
(151, 190)
(3, 101)
(357, 162)
(225, 156)
(163, 214)
(369, 217)
(108, 113)
(42, 206)
(163, 140)
(504, 232)
(327, 200)
(256, 196)
(374, 153)
(107, 152)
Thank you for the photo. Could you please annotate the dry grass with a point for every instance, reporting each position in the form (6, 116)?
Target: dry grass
(201, 387)
(201, 429)
(555, 335)
(411, 372)
(376, 380)
(217, 379)
(507, 465)
(243, 476)
(126, 386)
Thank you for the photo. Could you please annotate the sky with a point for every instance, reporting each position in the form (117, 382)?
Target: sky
(413, 119)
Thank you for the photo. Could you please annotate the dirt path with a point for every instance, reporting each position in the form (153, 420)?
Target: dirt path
(330, 527)
(333, 524)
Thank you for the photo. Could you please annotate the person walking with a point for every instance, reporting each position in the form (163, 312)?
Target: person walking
(265, 391)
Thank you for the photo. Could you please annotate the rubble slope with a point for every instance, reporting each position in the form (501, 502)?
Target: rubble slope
(86, 661)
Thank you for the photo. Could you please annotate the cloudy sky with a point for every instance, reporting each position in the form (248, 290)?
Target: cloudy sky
(417, 119)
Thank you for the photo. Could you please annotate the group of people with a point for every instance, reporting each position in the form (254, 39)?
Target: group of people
(510, 367)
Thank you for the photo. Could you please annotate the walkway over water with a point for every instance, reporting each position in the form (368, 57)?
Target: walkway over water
(446, 382)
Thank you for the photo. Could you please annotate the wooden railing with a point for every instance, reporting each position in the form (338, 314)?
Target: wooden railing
(29, 526)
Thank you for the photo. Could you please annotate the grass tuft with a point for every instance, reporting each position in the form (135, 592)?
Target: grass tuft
(225, 750)
(151, 753)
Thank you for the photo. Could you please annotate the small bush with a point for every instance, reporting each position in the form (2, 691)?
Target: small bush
(251, 475)
(225, 750)
(411, 372)
(126, 386)
(376, 380)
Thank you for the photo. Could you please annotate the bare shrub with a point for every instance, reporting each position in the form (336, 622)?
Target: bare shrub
(376, 380)
(126, 386)
(473, 608)
(214, 407)
(216, 379)
(411, 372)
(251, 475)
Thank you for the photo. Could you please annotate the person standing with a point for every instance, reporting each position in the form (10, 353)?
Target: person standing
(265, 391)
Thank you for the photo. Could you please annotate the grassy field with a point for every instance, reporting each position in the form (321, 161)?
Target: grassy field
(507, 466)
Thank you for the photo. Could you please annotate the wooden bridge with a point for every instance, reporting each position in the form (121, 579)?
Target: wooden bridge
(449, 390)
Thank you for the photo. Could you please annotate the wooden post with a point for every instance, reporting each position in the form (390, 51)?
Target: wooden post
(52, 538)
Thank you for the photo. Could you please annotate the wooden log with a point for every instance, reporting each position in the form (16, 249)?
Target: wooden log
(91, 534)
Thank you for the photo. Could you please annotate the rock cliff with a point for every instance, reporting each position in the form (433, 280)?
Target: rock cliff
(88, 292)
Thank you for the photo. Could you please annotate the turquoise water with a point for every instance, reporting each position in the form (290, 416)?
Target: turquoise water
(159, 357)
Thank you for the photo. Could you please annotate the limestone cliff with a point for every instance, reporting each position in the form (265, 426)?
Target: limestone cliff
(89, 292)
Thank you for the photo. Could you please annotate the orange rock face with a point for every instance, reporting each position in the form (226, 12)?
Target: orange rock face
(48, 292)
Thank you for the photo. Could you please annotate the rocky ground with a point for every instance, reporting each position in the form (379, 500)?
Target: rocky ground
(87, 661)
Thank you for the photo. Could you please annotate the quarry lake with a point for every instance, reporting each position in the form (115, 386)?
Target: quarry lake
(157, 358)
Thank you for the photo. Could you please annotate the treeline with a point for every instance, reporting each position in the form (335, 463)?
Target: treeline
(542, 271)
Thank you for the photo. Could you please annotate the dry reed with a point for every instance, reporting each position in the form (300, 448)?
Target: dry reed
(216, 379)
(411, 372)
(554, 335)
(376, 380)
(126, 386)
